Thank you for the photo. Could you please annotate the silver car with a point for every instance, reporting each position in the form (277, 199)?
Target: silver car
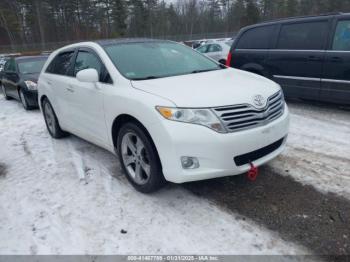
(216, 50)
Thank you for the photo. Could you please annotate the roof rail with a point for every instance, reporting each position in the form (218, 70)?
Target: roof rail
(305, 16)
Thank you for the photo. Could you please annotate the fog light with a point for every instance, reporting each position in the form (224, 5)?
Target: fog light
(189, 162)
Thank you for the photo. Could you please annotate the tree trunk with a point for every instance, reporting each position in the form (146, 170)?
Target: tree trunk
(40, 25)
(7, 29)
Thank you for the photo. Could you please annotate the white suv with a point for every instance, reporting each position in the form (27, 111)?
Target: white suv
(170, 113)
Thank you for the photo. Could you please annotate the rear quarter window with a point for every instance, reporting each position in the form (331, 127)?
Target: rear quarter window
(256, 38)
(341, 41)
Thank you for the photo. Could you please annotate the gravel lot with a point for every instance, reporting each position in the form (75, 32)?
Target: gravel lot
(70, 197)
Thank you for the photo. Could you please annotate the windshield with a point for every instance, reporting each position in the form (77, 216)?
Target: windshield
(31, 66)
(147, 60)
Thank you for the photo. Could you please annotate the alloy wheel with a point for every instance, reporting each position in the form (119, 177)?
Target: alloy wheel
(23, 99)
(49, 117)
(135, 158)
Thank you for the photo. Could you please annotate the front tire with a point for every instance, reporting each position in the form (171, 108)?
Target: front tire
(139, 158)
(4, 92)
(24, 101)
(51, 120)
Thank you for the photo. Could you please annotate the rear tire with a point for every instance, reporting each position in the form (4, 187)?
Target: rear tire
(4, 92)
(256, 72)
(51, 120)
(139, 158)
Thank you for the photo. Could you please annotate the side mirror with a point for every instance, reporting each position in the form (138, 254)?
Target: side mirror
(89, 75)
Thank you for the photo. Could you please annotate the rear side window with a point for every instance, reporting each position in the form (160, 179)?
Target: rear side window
(303, 36)
(341, 41)
(61, 63)
(256, 38)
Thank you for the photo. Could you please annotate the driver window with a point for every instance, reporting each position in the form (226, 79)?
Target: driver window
(215, 48)
(202, 49)
(87, 60)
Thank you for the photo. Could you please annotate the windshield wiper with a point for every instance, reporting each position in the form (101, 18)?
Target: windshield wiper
(146, 78)
(203, 70)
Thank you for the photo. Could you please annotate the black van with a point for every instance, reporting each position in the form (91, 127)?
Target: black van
(308, 56)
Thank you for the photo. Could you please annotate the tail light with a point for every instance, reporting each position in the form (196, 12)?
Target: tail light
(229, 58)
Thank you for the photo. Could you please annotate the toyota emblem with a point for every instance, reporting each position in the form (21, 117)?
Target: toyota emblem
(259, 100)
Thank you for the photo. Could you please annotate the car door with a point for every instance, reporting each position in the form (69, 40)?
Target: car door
(57, 78)
(336, 74)
(297, 60)
(87, 99)
(11, 78)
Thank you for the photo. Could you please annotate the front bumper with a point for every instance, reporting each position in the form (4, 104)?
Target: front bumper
(32, 97)
(216, 152)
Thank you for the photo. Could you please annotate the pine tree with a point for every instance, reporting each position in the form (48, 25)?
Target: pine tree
(119, 15)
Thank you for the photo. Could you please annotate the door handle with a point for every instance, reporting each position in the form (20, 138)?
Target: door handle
(336, 59)
(314, 58)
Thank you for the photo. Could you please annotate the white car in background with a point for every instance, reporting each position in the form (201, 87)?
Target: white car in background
(217, 50)
(168, 112)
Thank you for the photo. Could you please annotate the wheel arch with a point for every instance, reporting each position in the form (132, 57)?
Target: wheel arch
(222, 61)
(256, 69)
(41, 100)
(19, 87)
(122, 119)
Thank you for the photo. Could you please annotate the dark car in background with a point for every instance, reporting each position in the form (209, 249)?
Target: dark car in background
(3, 60)
(308, 56)
(20, 77)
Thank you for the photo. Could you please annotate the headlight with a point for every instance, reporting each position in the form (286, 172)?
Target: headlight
(31, 85)
(204, 117)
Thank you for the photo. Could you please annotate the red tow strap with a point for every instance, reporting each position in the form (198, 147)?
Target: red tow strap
(253, 172)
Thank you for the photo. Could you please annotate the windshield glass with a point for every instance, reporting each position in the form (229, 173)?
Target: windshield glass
(31, 66)
(147, 60)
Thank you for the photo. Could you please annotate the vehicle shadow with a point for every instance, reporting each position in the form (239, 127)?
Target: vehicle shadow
(2, 170)
(299, 213)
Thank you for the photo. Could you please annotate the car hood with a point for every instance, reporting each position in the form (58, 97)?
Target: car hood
(210, 89)
(31, 77)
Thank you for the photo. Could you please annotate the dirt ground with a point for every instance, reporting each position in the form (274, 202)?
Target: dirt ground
(297, 212)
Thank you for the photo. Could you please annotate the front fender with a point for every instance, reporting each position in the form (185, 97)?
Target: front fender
(136, 103)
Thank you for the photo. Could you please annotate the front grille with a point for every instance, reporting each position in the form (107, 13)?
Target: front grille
(239, 117)
(252, 156)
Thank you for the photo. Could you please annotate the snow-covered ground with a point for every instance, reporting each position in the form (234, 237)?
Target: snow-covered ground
(318, 151)
(70, 197)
